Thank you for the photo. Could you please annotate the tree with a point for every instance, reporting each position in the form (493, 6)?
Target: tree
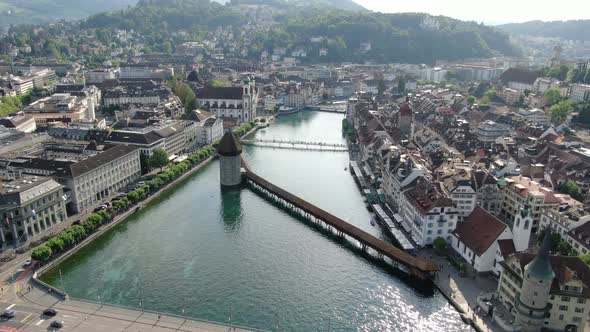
(585, 258)
(144, 161)
(559, 72)
(167, 47)
(570, 188)
(440, 245)
(480, 90)
(471, 100)
(159, 158)
(485, 100)
(553, 96)
(583, 110)
(41, 253)
(561, 111)
(401, 85)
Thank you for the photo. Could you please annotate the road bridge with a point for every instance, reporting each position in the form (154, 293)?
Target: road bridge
(416, 266)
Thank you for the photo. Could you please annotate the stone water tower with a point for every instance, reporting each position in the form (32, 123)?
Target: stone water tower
(229, 150)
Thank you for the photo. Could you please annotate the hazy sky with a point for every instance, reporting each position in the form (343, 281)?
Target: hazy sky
(491, 12)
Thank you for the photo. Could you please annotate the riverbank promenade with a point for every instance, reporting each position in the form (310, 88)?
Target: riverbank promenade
(462, 292)
(83, 316)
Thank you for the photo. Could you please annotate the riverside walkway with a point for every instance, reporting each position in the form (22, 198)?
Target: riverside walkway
(415, 266)
(293, 144)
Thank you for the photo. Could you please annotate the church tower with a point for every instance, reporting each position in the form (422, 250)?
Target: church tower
(405, 120)
(532, 302)
(229, 150)
(521, 230)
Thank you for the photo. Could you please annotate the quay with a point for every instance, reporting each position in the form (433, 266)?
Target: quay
(358, 175)
(421, 268)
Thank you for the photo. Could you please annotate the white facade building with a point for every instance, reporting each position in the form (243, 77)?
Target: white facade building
(237, 103)
(428, 213)
(580, 92)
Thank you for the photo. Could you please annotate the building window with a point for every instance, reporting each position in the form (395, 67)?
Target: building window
(565, 298)
(560, 317)
(579, 310)
(563, 307)
(581, 300)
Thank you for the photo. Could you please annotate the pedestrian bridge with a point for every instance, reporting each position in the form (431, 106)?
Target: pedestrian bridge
(295, 144)
(421, 268)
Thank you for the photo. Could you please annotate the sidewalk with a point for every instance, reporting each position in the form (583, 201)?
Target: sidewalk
(463, 291)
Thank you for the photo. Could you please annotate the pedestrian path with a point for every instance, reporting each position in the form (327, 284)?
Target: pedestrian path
(463, 291)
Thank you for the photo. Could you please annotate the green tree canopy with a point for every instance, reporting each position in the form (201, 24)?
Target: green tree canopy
(561, 111)
(159, 158)
(440, 245)
(553, 96)
(571, 188)
(41, 253)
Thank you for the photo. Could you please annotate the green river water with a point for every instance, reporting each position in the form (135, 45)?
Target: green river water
(215, 254)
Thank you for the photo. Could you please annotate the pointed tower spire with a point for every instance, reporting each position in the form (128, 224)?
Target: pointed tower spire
(540, 266)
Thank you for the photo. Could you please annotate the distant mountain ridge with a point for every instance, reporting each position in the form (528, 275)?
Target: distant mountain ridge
(571, 30)
(334, 4)
(347, 36)
(44, 11)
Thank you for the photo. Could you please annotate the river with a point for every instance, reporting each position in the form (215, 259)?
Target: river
(216, 254)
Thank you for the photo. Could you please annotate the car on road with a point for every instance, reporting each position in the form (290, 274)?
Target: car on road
(57, 324)
(100, 208)
(27, 262)
(49, 312)
(8, 314)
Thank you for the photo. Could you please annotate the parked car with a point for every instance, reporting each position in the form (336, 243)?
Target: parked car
(49, 312)
(8, 314)
(57, 324)
(77, 222)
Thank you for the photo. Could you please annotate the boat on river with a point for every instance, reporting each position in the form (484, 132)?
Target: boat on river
(284, 110)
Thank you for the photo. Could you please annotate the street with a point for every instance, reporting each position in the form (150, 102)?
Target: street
(91, 317)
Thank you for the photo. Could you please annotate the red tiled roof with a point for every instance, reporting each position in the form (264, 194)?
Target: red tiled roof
(479, 231)
(506, 247)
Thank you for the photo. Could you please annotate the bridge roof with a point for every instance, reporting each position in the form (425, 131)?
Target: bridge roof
(383, 247)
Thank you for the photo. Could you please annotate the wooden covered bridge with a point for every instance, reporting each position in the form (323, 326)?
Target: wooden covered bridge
(419, 267)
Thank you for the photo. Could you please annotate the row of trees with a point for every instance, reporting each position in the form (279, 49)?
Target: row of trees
(76, 233)
(567, 73)
(245, 128)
